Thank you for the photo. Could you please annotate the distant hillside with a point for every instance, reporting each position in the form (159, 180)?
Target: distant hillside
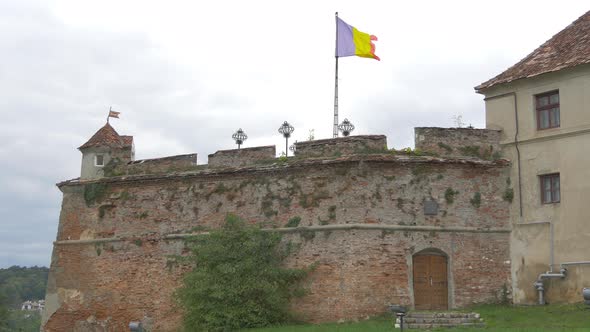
(18, 284)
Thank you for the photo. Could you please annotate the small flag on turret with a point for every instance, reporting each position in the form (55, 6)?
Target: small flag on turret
(113, 114)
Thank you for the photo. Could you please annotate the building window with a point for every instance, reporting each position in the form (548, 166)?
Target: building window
(550, 188)
(99, 160)
(547, 106)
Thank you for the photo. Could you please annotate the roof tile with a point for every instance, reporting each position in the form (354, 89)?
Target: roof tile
(108, 136)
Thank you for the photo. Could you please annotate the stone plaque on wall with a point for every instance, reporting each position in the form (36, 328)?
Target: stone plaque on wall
(430, 208)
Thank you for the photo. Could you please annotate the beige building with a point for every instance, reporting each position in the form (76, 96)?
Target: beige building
(542, 106)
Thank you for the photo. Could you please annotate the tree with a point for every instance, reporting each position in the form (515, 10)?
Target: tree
(3, 314)
(237, 280)
(18, 284)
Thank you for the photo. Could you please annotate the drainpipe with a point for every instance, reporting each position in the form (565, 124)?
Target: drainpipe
(513, 94)
(538, 284)
(574, 263)
(547, 275)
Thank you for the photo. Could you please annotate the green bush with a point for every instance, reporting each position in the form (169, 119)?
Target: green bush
(237, 280)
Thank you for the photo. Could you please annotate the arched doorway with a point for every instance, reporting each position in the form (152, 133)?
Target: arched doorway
(431, 286)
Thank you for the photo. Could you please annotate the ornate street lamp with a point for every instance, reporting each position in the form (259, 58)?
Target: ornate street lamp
(286, 129)
(239, 136)
(346, 127)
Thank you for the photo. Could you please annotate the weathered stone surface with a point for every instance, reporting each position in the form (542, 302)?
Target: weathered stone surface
(161, 165)
(341, 146)
(457, 142)
(112, 261)
(241, 157)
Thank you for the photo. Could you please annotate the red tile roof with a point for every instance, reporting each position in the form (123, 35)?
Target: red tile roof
(569, 48)
(107, 136)
(127, 140)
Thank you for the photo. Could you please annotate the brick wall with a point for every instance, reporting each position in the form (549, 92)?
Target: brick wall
(111, 262)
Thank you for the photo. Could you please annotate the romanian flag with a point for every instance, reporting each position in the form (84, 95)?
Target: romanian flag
(351, 42)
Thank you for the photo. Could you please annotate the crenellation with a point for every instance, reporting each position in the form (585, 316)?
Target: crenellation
(341, 146)
(242, 157)
(459, 142)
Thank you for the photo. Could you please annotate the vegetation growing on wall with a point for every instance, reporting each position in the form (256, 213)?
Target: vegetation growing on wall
(447, 147)
(508, 195)
(293, 222)
(470, 150)
(237, 280)
(94, 192)
(476, 200)
(450, 195)
(313, 199)
(480, 152)
(111, 168)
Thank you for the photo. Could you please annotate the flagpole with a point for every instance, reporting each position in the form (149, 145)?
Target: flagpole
(335, 131)
(108, 116)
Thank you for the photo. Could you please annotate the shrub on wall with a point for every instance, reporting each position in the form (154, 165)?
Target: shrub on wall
(238, 280)
(94, 192)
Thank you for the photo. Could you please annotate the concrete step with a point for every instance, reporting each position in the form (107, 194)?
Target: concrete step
(434, 326)
(431, 320)
(450, 314)
(440, 320)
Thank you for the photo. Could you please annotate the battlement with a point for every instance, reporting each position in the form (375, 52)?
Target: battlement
(162, 165)
(241, 157)
(446, 143)
(341, 146)
(459, 142)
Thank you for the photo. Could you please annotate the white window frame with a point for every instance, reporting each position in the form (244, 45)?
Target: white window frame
(96, 160)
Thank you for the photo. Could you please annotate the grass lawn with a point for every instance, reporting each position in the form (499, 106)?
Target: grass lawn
(497, 319)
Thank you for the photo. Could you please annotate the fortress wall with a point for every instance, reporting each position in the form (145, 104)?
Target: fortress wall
(112, 264)
(352, 192)
(241, 157)
(161, 165)
(454, 142)
(341, 146)
(102, 287)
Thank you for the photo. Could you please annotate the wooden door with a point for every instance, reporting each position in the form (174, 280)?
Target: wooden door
(430, 282)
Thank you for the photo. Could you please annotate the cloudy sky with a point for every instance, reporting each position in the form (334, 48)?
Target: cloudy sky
(186, 74)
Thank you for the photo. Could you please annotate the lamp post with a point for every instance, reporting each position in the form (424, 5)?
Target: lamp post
(346, 127)
(239, 136)
(286, 129)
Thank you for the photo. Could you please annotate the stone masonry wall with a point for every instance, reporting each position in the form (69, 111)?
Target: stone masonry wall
(341, 146)
(241, 157)
(456, 142)
(362, 218)
(161, 165)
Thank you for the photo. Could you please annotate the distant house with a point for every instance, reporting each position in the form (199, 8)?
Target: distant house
(33, 305)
